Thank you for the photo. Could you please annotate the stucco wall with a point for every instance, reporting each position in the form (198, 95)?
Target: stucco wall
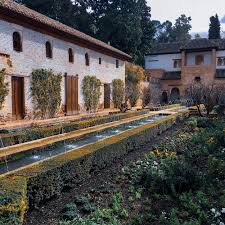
(34, 57)
(191, 58)
(162, 62)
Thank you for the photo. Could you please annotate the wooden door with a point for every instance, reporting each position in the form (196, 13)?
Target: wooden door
(71, 95)
(107, 96)
(18, 103)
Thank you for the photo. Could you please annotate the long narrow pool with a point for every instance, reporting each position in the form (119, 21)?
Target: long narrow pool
(65, 147)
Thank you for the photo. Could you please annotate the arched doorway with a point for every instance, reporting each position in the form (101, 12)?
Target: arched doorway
(175, 95)
(164, 98)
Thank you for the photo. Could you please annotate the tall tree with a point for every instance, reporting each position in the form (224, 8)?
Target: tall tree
(148, 32)
(214, 28)
(181, 29)
(167, 32)
(163, 31)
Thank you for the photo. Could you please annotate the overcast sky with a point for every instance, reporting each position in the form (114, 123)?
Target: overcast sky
(199, 10)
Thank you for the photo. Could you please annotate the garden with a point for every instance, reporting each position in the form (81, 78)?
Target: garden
(180, 181)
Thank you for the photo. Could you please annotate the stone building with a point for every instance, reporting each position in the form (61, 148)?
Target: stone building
(178, 65)
(30, 40)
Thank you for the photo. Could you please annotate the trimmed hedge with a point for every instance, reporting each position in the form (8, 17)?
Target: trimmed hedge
(157, 108)
(49, 178)
(35, 133)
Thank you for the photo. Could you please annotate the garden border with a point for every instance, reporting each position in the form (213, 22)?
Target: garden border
(36, 183)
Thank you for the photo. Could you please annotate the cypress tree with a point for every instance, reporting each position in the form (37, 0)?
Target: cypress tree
(214, 28)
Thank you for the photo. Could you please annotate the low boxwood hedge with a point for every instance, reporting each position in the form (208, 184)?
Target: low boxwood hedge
(31, 134)
(41, 181)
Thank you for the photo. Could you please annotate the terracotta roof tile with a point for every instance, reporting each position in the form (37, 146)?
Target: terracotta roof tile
(194, 44)
(14, 7)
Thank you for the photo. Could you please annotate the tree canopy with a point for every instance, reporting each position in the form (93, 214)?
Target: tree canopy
(125, 25)
(167, 32)
(214, 27)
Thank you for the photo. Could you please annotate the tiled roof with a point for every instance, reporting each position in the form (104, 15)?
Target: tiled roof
(199, 43)
(172, 75)
(163, 48)
(195, 44)
(220, 73)
(14, 8)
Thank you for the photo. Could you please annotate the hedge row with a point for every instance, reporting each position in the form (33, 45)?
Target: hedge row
(49, 178)
(157, 108)
(35, 133)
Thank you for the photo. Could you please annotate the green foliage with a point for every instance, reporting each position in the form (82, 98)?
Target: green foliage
(214, 27)
(171, 177)
(3, 88)
(91, 92)
(126, 25)
(146, 96)
(167, 32)
(46, 92)
(118, 92)
(205, 123)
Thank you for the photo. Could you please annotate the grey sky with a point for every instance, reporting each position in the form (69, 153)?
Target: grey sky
(199, 10)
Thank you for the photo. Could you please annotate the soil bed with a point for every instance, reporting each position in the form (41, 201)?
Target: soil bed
(49, 213)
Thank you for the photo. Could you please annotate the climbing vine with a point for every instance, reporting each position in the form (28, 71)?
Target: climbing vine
(46, 92)
(91, 92)
(118, 92)
(3, 88)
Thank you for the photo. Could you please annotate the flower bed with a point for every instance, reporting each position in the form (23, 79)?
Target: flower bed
(30, 134)
(48, 178)
(181, 182)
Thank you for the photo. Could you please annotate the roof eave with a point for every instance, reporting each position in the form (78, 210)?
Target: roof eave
(7, 13)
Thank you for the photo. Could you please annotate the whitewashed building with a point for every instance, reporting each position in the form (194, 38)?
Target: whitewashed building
(30, 40)
(177, 65)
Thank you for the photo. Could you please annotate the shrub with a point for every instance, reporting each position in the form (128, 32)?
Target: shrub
(134, 95)
(205, 123)
(91, 92)
(171, 177)
(146, 96)
(3, 88)
(118, 92)
(46, 92)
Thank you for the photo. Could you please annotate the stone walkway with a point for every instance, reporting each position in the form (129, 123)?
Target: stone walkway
(20, 124)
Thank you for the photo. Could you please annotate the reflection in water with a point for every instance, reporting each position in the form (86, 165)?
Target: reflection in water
(88, 139)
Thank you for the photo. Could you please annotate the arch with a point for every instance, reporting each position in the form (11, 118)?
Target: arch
(87, 59)
(164, 98)
(71, 55)
(17, 42)
(175, 94)
(48, 47)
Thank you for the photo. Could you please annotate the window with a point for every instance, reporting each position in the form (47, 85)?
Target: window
(177, 63)
(87, 60)
(199, 60)
(71, 56)
(100, 61)
(221, 61)
(48, 49)
(197, 79)
(117, 63)
(17, 42)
